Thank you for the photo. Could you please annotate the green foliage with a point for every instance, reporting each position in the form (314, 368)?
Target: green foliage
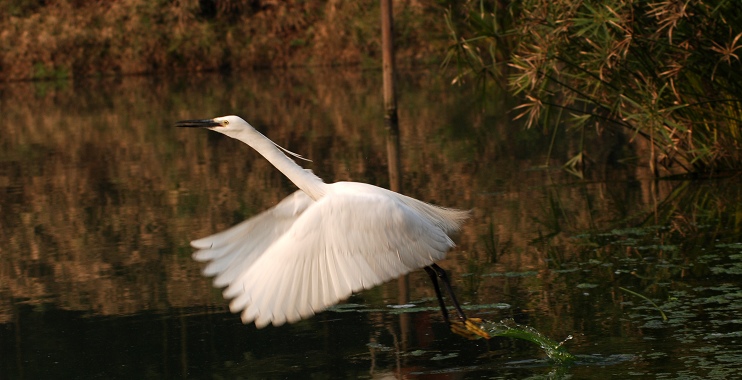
(664, 71)
(487, 44)
(42, 72)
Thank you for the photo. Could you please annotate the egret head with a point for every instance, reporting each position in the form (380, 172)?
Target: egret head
(228, 125)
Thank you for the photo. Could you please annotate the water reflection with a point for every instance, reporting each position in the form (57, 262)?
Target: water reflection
(99, 197)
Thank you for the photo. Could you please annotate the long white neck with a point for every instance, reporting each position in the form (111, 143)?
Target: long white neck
(303, 179)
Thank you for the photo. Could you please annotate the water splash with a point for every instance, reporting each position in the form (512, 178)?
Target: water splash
(508, 328)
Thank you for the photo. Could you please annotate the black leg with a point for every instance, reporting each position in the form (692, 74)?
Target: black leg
(468, 328)
(435, 272)
(434, 278)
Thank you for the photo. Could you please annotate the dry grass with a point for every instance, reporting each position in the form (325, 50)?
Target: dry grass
(75, 38)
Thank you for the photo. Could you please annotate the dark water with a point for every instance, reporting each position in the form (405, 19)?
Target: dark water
(99, 197)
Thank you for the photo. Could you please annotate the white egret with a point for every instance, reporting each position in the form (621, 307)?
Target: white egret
(321, 243)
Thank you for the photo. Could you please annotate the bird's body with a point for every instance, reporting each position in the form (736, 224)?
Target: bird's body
(319, 244)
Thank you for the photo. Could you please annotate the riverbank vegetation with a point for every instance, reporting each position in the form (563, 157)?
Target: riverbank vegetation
(667, 72)
(664, 74)
(42, 39)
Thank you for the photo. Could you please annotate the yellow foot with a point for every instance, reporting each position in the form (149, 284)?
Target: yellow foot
(469, 329)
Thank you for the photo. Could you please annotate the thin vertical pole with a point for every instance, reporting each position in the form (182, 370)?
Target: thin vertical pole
(392, 144)
(390, 96)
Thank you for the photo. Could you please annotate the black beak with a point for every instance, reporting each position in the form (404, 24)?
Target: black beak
(205, 123)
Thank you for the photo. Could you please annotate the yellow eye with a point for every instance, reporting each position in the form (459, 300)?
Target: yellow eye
(226, 122)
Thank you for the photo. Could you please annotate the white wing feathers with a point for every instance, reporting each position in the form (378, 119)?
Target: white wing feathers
(301, 256)
(235, 249)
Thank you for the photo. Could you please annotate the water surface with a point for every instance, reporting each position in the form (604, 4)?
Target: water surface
(99, 197)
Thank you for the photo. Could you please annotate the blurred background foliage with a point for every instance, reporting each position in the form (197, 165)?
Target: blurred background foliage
(74, 38)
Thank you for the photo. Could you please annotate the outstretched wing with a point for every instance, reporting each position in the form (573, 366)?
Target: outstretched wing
(232, 251)
(340, 244)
